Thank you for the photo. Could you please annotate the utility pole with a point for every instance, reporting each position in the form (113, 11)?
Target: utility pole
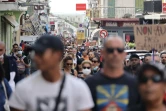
(153, 13)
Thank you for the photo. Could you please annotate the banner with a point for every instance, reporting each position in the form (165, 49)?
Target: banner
(148, 37)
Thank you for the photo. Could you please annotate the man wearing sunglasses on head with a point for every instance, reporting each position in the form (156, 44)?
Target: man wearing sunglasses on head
(113, 88)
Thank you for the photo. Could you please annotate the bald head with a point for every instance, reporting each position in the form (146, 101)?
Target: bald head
(2, 48)
(2, 43)
(116, 39)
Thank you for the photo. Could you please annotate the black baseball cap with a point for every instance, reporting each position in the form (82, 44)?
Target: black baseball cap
(134, 56)
(47, 42)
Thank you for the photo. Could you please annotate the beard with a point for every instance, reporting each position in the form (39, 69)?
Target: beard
(113, 65)
(134, 67)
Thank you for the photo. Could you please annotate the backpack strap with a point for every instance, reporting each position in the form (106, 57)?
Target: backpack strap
(72, 71)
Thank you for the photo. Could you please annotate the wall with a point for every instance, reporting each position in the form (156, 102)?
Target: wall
(127, 7)
(139, 5)
(111, 10)
(7, 31)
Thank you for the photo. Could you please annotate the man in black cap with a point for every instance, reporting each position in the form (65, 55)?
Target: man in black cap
(134, 64)
(50, 89)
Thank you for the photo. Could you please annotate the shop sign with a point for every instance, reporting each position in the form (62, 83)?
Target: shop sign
(8, 13)
(109, 24)
(129, 24)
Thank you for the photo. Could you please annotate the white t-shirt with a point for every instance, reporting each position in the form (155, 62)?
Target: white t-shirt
(37, 94)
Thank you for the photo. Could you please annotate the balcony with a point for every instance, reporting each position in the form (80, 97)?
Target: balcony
(115, 12)
(11, 6)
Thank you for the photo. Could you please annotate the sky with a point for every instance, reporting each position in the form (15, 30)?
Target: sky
(65, 6)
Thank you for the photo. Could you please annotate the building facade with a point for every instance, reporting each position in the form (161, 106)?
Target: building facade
(10, 14)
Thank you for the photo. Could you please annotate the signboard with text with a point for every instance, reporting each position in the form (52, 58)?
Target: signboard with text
(148, 37)
(80, 34)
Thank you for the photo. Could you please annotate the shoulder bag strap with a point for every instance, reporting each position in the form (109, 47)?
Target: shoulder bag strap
(60, 92)
(4, 87)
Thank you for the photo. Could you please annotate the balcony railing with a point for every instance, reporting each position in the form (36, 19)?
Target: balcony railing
(115, 12)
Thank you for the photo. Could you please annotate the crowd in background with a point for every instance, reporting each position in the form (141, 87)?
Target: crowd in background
(98, 67)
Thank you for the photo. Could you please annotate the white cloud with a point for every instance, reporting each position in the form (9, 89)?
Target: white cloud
(65, 6)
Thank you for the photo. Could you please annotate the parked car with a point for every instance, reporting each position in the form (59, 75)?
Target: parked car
(140, 53)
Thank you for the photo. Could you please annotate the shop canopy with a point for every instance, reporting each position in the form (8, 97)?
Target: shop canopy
(155, 16)
(12, 21)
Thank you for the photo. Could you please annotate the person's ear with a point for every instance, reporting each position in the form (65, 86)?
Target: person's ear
(124, 55)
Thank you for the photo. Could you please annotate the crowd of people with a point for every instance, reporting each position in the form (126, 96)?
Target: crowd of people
(68, 77)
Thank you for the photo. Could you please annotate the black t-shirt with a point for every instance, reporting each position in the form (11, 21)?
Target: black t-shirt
(110, 93)
(140, 107)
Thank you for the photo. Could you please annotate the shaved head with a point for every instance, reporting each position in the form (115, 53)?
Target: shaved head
(2, 48)
(2, 43)
(116, 39)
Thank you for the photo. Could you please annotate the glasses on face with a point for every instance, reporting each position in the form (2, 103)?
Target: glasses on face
(112, 50)
(86, 67)
(155, 79)
(69, 64)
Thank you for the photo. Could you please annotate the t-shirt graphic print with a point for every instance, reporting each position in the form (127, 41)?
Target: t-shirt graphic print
(112, 97)
(48, 104)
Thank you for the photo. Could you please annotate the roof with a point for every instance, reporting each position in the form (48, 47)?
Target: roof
(117, 19)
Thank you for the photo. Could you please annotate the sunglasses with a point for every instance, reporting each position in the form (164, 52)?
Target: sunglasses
(112, 50)
(86, 67)
(69, 64)
(155, 79)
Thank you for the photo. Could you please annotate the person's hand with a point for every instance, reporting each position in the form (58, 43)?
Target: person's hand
(18, 60)
(22, 60)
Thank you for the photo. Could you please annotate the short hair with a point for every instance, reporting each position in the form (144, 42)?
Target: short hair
(98, 59)
(156, 55)
(15, 45)
(111, 37)
(162, 53)
(147, 55)
(87, 62)
(66, 59)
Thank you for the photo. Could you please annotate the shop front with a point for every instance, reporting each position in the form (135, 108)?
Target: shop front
(119, 27)
(9, 26)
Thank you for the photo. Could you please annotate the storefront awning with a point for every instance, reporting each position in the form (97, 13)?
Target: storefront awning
(12, 21)
(155, 16)
(96, 33)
